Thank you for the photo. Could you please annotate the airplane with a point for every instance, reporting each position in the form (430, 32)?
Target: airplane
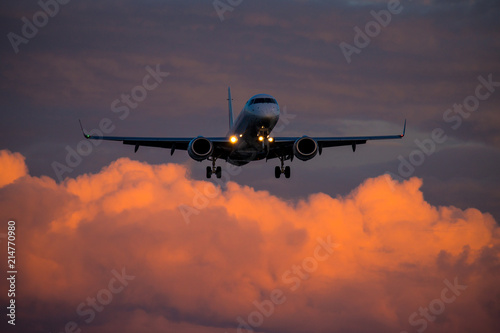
(249, 139)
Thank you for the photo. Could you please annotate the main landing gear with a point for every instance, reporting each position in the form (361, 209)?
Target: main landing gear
(278, 171)
(214, 170)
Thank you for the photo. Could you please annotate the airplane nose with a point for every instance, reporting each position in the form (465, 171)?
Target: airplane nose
(268, 112)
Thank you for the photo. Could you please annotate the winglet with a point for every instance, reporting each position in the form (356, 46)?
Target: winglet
(230, 106)
(86, 136)
(404, 129)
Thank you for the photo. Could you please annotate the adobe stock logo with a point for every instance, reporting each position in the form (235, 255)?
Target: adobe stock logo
(225, 6)
(437, 306)
(293, 279)
(88, 310)
(121, 106)
(454, 117)
(372, 29)
(29, 30)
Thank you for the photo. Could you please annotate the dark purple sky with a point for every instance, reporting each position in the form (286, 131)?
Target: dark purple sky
(430, 56)
(427, 59)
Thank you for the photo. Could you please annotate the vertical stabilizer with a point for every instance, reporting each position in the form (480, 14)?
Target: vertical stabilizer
(230, 106)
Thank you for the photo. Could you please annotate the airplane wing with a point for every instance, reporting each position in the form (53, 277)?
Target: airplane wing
(283, 146)
(170, 143)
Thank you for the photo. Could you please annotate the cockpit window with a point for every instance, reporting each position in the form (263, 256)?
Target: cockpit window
(263, 100)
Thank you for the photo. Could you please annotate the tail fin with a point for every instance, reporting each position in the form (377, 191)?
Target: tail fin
(230, 106)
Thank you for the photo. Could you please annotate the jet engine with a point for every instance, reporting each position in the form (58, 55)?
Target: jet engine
(200, 148)
(305, 148)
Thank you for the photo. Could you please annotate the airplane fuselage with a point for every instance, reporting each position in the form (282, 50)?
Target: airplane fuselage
(252, 129)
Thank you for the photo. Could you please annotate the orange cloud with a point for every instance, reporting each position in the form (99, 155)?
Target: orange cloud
(12, 167)
(242, 259)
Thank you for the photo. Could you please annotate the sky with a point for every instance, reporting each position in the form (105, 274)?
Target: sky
(398, 236)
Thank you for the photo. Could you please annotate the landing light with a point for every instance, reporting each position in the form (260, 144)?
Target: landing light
(233, 139)
(270, 139)
(261, 138)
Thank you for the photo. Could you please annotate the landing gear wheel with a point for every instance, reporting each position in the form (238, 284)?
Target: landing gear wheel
(277, 172)
(218, 172)
(287, 172)
(209, 172)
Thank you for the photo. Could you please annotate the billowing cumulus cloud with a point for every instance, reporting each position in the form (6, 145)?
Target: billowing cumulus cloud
(145, 248)
(12, 167)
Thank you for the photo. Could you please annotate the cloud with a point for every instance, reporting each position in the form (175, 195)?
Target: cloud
(12, 167)
(363, 262)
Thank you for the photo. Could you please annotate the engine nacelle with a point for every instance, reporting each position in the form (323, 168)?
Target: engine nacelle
(305, 148)
(200, 148)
